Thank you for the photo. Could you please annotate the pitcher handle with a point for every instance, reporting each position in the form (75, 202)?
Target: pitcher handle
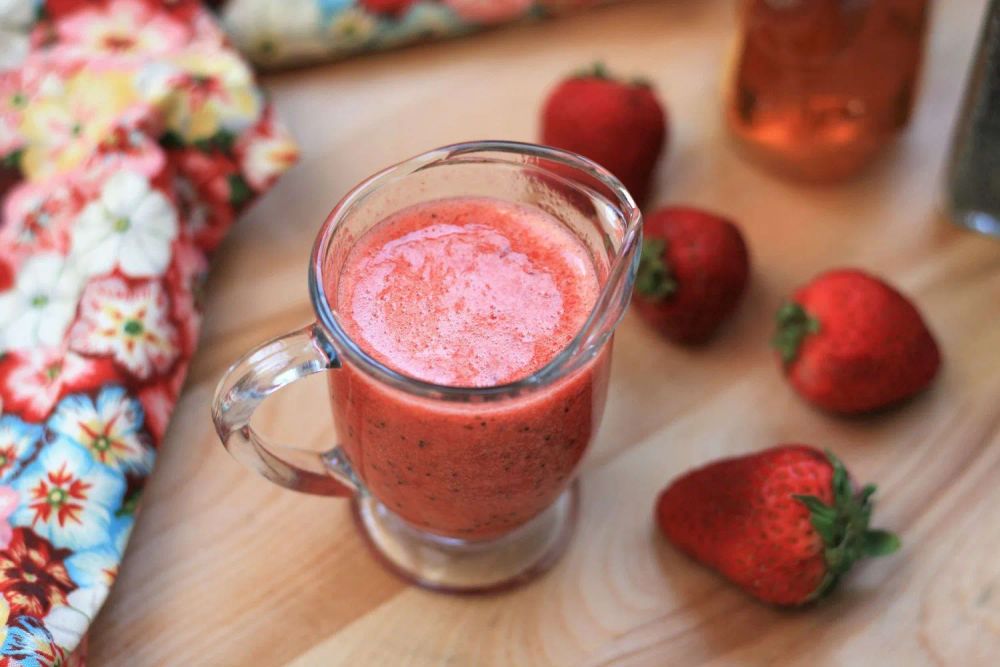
(244, 387)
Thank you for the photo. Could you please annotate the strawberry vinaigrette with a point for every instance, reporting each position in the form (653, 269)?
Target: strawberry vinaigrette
(467, 292)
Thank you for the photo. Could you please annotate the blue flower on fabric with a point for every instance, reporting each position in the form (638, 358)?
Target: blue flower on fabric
(17, 441)
(68, 497)
(329, 8)
(110, 428)
(29, 644)
(423, 21)
(99, 565)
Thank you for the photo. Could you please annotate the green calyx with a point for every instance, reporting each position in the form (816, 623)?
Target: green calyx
(654, 280)
(843, 527)
(794, 324)
(599, 70)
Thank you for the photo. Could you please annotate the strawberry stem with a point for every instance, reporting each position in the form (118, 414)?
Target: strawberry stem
(597, 70)
(794, 324)
(843, 527)
(653, 280)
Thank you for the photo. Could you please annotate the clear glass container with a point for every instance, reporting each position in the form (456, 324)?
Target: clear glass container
(973, 180)
(819, 87)
(404, 446)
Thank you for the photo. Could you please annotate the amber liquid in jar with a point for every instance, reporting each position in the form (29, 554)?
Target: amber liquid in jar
(820, 86)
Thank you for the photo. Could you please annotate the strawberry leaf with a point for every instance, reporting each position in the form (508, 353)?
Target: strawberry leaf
(653, 280)
(794, 324)
(843, 526)
(880, 543)
(823, 516)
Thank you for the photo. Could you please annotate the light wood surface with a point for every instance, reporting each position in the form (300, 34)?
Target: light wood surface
(225, 569)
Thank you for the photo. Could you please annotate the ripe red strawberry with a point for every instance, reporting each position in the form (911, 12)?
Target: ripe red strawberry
(389, 7)
(851, 343)
(692, 272)
(783, 524)
(617, 124)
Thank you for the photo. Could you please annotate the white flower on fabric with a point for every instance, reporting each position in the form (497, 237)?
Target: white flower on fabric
(68, 623)
(41, 305)
(275, 32)
(267, 157)
(16, 17)
(109, 428)
(153, 81)
(130, 227)
(17, 14)
(130, 323)
(67, 497)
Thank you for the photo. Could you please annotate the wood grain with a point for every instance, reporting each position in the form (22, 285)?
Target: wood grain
(225, 569)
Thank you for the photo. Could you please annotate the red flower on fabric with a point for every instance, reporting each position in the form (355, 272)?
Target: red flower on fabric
(200, 89)
(203, 187)
(209, 170)
(133, 28)
(58, 8)
(387, 7)
(32, 381)
(130, 145)
(6, 274)
(158, 401)
(36, 217)
(185, 280)
(185, 10)
(128, 321)
(60, 491)
(33, 576)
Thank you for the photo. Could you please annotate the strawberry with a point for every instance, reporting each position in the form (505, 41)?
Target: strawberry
(784, 524)
(850, 343)
(693, 271)
(617, 124)
(387, 7)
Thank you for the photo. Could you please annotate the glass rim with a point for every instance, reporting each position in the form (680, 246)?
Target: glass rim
(559, 365)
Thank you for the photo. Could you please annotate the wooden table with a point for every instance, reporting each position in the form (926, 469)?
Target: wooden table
(226, 569)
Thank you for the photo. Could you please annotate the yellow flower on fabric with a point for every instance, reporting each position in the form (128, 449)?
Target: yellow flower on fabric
(202, 92)
(63, 128)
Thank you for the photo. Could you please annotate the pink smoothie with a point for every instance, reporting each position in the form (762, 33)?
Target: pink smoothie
(469, 292)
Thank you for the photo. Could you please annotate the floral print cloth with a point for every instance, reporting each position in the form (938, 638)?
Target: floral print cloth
(284, 32)
(131, 135)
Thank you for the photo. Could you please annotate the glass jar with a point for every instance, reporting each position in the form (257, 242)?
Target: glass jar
(819, 87)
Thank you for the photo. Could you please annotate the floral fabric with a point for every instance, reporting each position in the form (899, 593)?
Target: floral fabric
(131, 135)
(284, 32)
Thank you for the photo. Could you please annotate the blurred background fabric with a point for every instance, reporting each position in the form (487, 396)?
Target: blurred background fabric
(275, 33)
